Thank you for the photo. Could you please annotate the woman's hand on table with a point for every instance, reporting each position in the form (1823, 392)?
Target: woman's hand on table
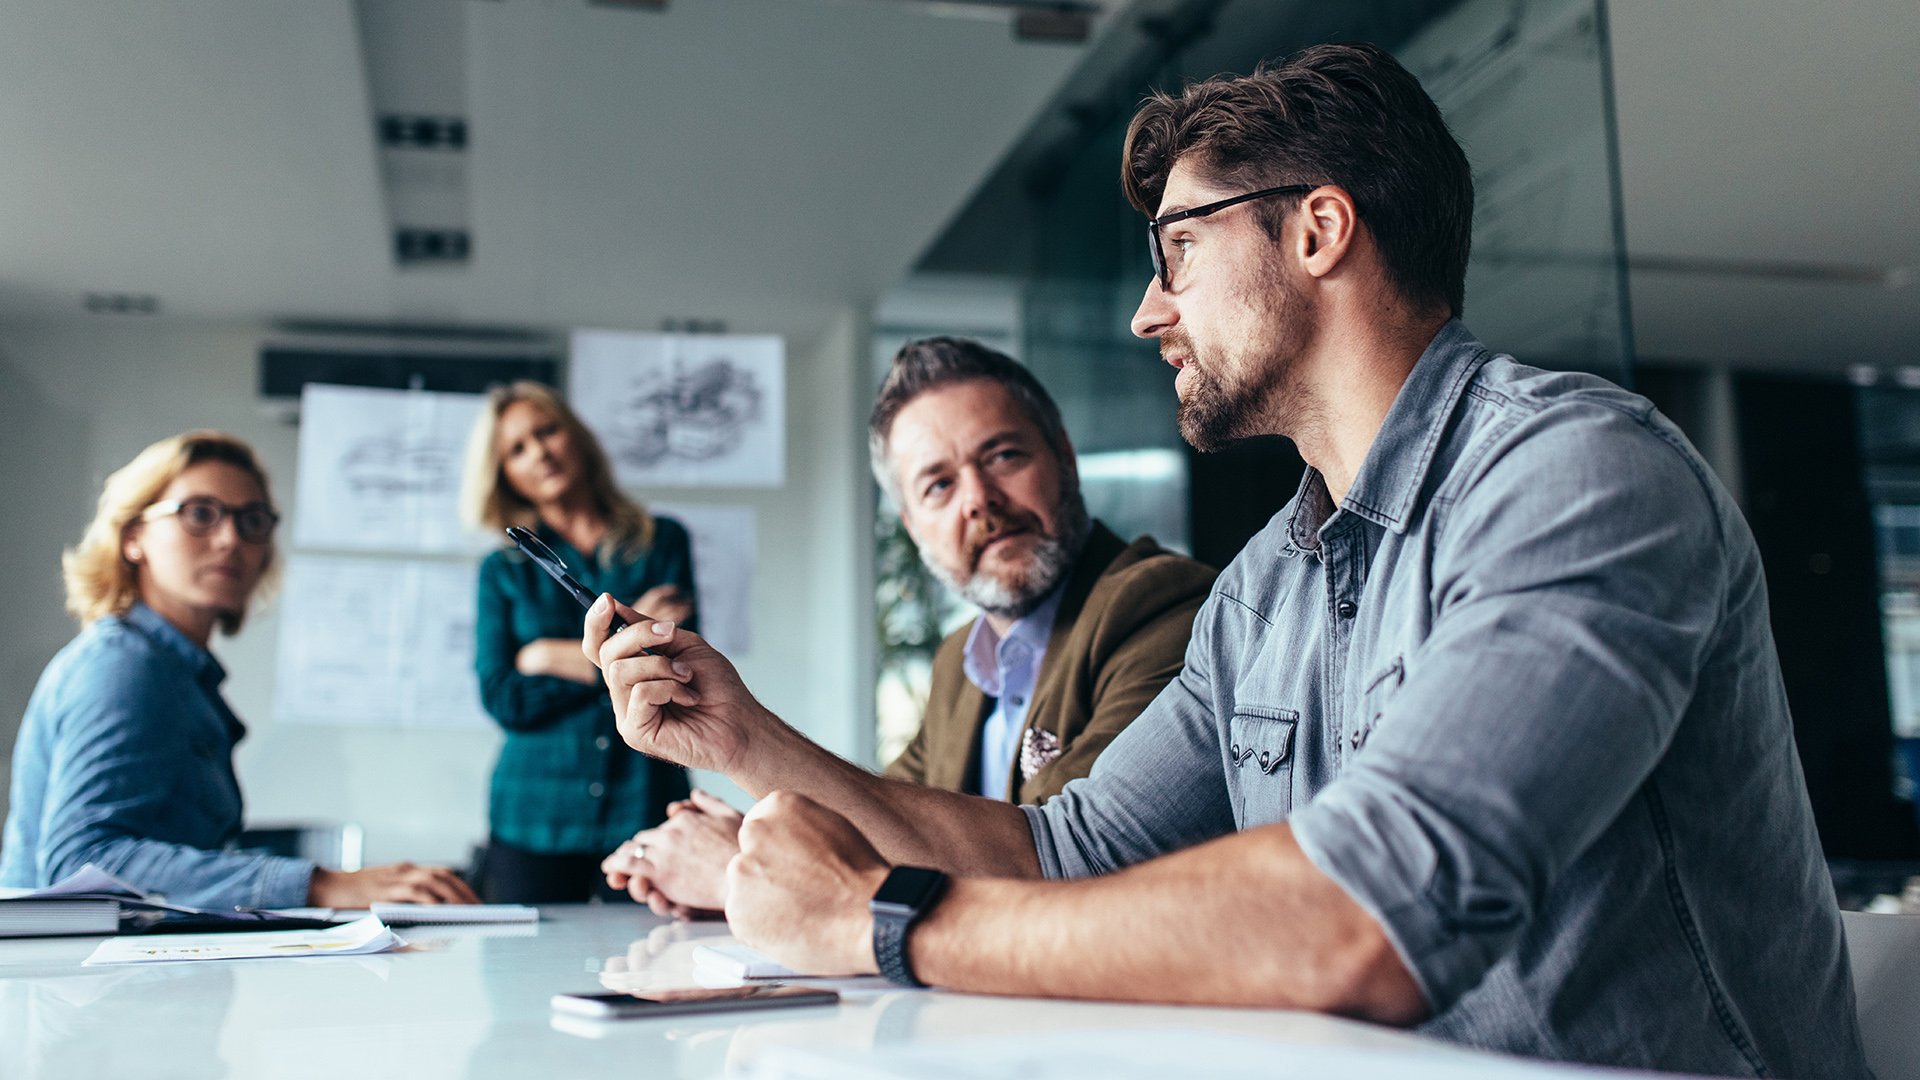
(558, 657)
(399, 883)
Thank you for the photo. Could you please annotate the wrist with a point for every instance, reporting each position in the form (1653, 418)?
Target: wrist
(863, 944)
(318, 885)
(532, 658)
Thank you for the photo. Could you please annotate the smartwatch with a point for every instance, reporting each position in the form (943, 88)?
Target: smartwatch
(908, 893)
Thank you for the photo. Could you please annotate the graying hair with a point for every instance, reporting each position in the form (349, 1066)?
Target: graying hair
(931, 363)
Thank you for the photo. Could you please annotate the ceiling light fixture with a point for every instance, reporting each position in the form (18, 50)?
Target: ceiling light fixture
(1068, 21)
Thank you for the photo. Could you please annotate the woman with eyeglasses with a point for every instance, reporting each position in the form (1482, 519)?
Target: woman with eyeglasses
(566, 790)
(125, 755)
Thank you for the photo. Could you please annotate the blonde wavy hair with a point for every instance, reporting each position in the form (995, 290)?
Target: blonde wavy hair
(488, 501)
(100, 581)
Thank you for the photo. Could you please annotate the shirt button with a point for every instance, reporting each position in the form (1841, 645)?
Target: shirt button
(1345, 609)
(602, 742)
(596, 789)
(1019, 701)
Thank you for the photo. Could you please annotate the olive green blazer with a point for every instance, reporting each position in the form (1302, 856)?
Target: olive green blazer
(1120, 636)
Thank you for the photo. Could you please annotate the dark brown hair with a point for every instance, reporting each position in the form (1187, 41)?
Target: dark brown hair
(1347, 115)
(934, 362)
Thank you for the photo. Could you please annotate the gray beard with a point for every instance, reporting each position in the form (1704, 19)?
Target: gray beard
(1052, 561)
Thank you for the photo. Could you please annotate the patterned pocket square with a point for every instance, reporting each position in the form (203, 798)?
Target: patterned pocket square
(1037, 751)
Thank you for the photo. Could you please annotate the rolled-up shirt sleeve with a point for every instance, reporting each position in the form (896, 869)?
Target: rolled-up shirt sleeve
(1157, 788)
(1575, 593)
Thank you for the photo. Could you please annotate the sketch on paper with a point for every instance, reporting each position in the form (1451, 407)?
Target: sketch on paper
(378, 642)
(723, 557)
(684, 410)
(380, 469)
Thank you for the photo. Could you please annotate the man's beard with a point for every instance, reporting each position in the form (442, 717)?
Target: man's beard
(1052, 559)
(1238, 396)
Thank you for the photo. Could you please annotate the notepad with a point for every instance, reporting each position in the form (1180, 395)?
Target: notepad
(447, 914)
(740, 962)
(46, 918)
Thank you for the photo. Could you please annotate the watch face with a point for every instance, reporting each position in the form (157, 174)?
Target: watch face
(909, 886)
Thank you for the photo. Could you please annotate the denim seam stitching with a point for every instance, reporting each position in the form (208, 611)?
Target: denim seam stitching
(1670, 872)
(1244, 606)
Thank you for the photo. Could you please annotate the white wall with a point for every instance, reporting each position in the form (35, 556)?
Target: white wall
(78, 400)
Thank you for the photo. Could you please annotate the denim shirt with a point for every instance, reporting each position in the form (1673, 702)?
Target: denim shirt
(125, 760)
(1518, 696)
(1005, 669)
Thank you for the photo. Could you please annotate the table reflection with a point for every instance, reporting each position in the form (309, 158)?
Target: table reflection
(79, 1025)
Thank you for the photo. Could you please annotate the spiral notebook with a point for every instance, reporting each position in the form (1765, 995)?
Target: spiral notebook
(448, 914)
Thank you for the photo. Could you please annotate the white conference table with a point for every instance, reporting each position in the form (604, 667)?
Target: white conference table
(473, 1002)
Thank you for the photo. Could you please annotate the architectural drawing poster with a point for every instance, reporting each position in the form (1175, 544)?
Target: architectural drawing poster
(723, 556)
(378, 641)
(684, 410)
(380, 470)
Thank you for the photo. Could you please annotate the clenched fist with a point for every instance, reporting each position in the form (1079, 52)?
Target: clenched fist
(799, 888)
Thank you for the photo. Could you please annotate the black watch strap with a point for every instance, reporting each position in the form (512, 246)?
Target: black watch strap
(908, 893)
(890, 949)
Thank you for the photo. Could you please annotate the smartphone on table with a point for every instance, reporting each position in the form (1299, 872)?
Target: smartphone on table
(639, 1004)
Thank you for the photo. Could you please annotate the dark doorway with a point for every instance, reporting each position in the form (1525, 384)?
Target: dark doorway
(1237, 491)
(1807, 503)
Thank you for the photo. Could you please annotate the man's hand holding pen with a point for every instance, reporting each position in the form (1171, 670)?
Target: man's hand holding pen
(675, 696)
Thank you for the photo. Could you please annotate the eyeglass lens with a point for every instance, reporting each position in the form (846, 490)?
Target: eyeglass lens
(201, 516)
(1159, 260)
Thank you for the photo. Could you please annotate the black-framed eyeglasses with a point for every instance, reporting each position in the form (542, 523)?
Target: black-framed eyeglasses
(1161, 268)
(202, 514)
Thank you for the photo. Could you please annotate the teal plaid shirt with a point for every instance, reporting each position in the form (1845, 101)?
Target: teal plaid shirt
(565, 782)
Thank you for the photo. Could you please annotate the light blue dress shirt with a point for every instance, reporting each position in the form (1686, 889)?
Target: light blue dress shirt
(125, 760)
(1005, 669)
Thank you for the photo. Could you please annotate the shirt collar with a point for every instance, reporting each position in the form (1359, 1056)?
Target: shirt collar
(200, 663)
(983, 658)
(1396, 465)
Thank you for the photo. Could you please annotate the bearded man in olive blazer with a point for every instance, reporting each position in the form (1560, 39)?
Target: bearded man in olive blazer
(1078, 629)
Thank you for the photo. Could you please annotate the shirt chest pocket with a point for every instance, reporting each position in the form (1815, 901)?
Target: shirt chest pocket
(1260, 764)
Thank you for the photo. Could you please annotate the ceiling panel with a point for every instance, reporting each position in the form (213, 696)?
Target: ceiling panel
(1772, 131)
(750, 160)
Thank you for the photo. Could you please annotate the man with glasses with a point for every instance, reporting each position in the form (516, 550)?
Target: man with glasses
(1484, 732)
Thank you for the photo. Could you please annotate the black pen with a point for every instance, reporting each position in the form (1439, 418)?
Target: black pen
(543, 555)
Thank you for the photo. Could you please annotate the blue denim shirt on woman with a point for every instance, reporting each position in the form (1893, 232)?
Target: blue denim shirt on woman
(125, 760)
(1517, 694)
